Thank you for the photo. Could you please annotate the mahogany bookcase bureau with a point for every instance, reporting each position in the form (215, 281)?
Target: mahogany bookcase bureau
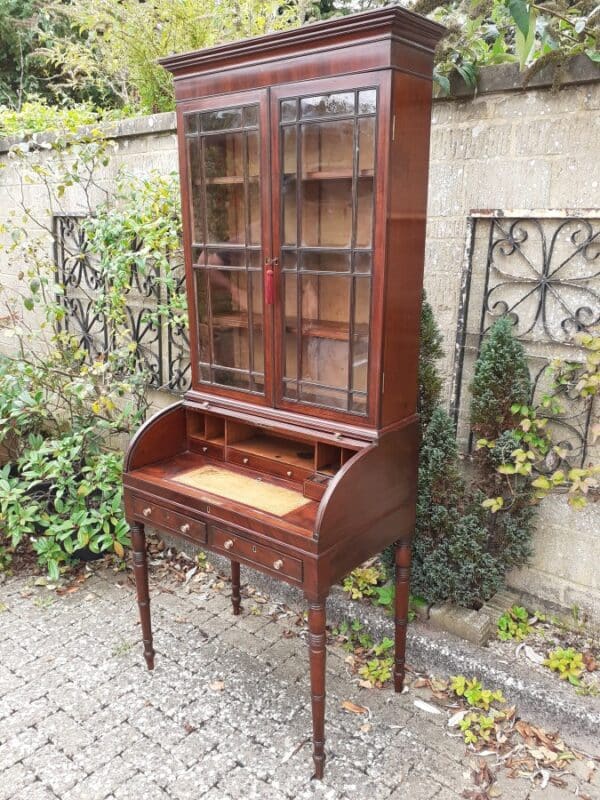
(303, 162)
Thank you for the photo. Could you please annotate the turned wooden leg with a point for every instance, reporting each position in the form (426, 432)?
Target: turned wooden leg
(401, 610)
(316, 645)
(140, 569)
(236, 598)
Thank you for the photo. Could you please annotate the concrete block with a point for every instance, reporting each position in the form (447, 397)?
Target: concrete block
(474, 626)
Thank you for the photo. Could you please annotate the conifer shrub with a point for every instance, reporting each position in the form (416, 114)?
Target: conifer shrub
(430, 383)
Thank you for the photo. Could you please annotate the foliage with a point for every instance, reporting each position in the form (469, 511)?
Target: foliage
(361, 582)
(567, 662)
(528, 450)
(372, 661)
(474, 693)
(514, 624)
(64, 403)
(35, 116)
(501, 379)
(460, 552)
(430, 352)
(487, 32)
(121, 40)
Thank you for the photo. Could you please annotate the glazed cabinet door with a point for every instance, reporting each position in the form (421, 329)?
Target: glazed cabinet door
(325, 141)
(225, 179)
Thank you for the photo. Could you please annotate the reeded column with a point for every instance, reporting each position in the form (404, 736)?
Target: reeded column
(236, 597)
(316, 645)
(140, 570)
(402, 552)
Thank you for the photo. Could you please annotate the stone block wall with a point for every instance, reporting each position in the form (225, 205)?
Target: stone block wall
(504, 149)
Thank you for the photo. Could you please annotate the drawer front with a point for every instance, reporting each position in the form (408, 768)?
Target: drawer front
(207, 448)
(154, 514)
(234, 546)
(269, 465)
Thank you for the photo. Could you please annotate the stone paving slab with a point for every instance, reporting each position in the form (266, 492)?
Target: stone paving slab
(224, 716)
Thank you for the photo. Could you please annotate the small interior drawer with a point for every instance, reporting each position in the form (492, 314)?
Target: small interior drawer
(278, 468)
(236, 547)
(153, 514)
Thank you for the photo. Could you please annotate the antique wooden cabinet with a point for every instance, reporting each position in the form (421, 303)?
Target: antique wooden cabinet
(303, 161)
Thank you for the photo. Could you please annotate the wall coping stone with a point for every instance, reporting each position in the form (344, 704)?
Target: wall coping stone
(508, 78)
(493, 79)
(128, 127)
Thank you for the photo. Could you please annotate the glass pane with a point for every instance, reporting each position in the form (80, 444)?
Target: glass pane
(230, 323)
(288, 110)
(327, 213)
(325, 307)
(202, 315)
(222, 119)
(358, 403)
(367, 101)
(327, 105)
(290, 313)
(364, 221)
(191, 123)
(362, 262)
(325, 261)
(322, 396)
(289, 150)
(195, 166)
(289, 203)
(360, 337)
(236, 380)
(254, 227)
(288, 260)
(253, 141)
(221, 257)
(366, 146)
(327, 149)
(250, 116)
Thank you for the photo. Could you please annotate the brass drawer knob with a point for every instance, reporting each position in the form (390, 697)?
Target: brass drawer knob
(185, 528)
(228, 544)
(147, 511)
(205, 449)
(289, 473)
(278, 564)
(245, 460)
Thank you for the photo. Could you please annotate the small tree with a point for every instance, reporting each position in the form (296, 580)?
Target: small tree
(501, 379)
(450, 561)
(430, 382)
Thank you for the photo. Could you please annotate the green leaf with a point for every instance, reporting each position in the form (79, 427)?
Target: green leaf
(524, 42)
(594, 55)
(519, 11)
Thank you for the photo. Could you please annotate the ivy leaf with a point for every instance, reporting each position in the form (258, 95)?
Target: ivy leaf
(443, 82)
(519, 11)
(594, 55)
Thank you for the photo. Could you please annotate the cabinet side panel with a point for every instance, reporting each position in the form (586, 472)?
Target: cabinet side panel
(407, 210)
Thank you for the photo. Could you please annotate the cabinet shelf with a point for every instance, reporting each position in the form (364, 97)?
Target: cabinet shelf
(330, 175)
(226, 180)
(322, 329)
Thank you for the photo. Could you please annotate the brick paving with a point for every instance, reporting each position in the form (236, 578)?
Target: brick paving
(225, 714)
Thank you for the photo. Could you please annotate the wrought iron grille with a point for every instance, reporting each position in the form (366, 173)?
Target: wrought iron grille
(163, 350)
(541, 270)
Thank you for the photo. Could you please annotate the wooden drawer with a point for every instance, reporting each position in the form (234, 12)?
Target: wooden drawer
(236, 547)
(268, 465)
(207, 448)
(153, 514)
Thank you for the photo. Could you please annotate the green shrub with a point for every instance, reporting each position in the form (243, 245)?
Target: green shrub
(501, 379)
(63, 407)
(453, 557)
(430, 382)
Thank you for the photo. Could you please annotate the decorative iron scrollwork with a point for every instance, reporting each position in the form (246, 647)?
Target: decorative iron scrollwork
(163, 350)
(543, 273)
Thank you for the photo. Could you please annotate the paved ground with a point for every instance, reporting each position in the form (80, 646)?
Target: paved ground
(225, 714)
